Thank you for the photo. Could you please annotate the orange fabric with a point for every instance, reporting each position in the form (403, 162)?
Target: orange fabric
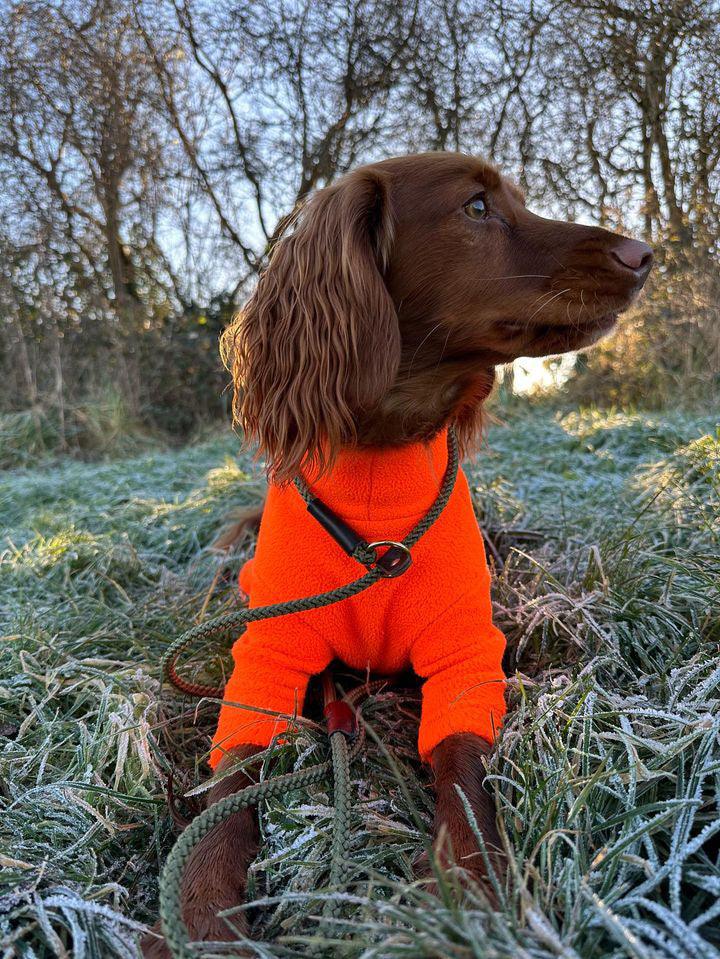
(436, 618)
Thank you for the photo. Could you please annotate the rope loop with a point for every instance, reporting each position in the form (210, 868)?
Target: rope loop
(240, 618)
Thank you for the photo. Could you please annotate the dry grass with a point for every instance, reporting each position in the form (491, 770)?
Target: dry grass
(604, 528)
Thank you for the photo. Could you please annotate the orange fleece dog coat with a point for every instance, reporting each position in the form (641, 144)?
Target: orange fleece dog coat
(436, 617)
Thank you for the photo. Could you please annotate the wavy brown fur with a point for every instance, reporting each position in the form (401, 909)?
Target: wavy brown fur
(386, 307)
(318, 342)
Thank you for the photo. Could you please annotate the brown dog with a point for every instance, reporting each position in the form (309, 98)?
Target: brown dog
(414, 277)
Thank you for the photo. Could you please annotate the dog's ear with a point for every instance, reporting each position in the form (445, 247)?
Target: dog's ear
(318, 343)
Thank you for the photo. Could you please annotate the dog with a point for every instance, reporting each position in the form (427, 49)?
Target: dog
(378, 324)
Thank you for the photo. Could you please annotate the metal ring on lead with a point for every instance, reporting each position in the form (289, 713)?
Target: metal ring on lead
(392, 544)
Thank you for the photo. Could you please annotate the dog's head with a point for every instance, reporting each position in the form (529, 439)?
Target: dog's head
(396, 291)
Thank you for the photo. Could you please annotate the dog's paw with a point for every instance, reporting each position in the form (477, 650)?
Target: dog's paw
(153, 945)
(465, 871)
(203, 925)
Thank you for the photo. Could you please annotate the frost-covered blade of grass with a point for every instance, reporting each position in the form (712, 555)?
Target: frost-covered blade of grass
(604, 531)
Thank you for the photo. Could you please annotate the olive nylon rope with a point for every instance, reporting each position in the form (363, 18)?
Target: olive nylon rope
(173, 926)
(341, 817)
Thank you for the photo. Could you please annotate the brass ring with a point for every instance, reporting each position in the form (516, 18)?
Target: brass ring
(392, 544)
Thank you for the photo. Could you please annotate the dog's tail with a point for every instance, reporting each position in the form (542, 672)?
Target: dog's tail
(242, 523)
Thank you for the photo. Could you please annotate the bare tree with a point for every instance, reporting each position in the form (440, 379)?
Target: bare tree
(631, 120)
(83, 160)
(150, 151)
(284, 97)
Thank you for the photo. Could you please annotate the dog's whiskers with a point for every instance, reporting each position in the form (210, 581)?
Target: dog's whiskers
(518, 276)
(542, 296)
(442, 351)
(420, 345)
(548, 302)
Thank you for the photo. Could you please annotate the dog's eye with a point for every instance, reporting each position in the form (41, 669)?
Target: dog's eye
(476, 209)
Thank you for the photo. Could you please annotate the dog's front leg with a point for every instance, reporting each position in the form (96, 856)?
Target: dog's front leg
(457, 761)
(215, 877)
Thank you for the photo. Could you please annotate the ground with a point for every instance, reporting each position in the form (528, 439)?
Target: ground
(604, 531)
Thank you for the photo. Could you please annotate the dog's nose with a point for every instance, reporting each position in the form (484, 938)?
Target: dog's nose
(633, 255)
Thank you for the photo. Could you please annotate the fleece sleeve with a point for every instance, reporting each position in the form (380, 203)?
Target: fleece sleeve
(459, 655)
(274, 661)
